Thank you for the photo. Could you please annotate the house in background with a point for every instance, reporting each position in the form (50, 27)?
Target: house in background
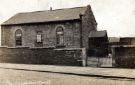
(98, 43)
(114, 41)
(98, 50)
(121, 41)
(123, 51)
(68, 28)
(127, 41)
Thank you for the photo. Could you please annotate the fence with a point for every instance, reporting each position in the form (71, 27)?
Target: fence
(124, 56)
(99, 61)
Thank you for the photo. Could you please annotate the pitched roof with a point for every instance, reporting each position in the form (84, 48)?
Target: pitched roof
(46, 16)
(97, 34)
(114, 39)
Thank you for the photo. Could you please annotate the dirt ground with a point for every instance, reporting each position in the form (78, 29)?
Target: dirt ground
(22, 77)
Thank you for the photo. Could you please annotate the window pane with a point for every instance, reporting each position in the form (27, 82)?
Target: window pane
(39, 39)
(60, 36)
(18, 37)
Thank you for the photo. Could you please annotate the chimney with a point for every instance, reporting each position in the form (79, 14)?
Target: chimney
(50, 8)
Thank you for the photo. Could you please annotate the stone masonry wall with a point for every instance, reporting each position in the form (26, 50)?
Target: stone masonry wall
(88, 24)
(71, 34)
(48, 56)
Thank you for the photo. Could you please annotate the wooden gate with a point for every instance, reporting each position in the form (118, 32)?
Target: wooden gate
(99, 61)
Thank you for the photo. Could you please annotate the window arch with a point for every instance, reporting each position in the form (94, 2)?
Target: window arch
(60, 36)
(18, 37)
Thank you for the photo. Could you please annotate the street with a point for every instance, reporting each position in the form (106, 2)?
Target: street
(25, 77)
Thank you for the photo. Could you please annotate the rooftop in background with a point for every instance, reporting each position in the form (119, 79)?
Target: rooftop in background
(47, 16)
(114, 39)
(127, 37)
(98, 34)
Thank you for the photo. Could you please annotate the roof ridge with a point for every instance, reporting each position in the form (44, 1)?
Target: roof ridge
(53, 10)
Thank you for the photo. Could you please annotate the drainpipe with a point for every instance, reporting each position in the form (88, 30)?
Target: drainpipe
(81, 37)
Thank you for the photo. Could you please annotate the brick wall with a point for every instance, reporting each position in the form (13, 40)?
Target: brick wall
(49, 56)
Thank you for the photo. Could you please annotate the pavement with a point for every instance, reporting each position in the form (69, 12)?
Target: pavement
(74, 70)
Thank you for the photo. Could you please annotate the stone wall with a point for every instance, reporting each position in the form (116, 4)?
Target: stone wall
(124, 57)
(49, 56)
(88, 24)
(29, 32)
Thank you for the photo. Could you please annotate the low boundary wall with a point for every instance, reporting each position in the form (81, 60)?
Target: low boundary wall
(49, 56)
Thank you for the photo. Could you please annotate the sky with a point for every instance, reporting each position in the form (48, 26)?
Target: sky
(115, 16)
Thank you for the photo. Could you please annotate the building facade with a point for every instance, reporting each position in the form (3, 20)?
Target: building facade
(67, 28)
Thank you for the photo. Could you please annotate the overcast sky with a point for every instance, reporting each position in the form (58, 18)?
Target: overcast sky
(115, 16)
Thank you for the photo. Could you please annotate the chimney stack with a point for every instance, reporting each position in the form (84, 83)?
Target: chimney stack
(50, 8)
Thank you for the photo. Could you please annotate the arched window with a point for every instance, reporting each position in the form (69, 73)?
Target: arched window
(60, 36)
(18, 37)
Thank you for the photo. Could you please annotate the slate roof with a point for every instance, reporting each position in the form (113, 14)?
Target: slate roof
(94, 34)
(46, 16)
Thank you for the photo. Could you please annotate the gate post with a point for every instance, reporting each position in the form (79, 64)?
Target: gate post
(113, 56)
(84, 61)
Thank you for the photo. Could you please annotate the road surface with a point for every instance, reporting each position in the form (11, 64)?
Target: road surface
(23, 77)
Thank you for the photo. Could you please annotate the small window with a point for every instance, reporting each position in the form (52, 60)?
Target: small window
(39, 37)
(18, 37)
(60, 36)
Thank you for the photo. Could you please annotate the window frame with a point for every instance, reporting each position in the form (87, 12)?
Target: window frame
(39, 33)
(60, 36)
(18, 37)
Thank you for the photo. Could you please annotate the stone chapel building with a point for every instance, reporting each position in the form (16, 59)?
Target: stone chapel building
(60, 28)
